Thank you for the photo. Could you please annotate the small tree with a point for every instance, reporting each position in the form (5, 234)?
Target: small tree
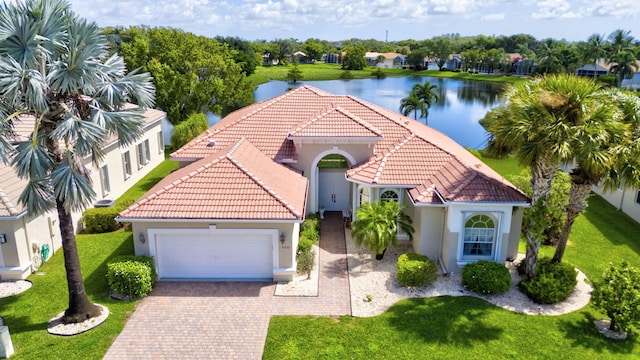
(377, 225)
(187, 130)
(618, 295)
(295, 73)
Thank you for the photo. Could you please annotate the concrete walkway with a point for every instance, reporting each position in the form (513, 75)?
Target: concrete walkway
(229, 320)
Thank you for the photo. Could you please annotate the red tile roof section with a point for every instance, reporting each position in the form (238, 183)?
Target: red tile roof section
(335, 121)
(409, 155)
(11, 186)
(237, 183)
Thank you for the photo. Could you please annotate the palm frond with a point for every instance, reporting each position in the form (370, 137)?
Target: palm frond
(37, 196)
(32, 161)
(72, 188)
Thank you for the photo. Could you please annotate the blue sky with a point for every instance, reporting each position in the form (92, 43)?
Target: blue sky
(573, 20)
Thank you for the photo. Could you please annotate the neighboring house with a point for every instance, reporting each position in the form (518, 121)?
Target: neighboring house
(331, 58)
(233, 210)
(122, 167)
(625, 199)
(302, 57)
(632, 83)
(600, 68)
(385, 60)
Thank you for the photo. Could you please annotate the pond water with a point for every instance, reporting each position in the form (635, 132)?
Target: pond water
(461, 103)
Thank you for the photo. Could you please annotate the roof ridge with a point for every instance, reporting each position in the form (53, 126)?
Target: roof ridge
(263, 185)
(390, 152)
(331, 108)
(374, 108)
(7, 203)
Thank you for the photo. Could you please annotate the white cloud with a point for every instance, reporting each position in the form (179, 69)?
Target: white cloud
(618, 9)
(554, 9)
(494, 17)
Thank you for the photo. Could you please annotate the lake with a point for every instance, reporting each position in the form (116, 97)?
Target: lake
(461, 103)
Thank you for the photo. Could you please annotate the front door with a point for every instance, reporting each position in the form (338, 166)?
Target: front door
(333, 190)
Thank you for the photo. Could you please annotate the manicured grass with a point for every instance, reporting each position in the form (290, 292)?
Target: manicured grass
(506, 167)
(28, 314)
(321, 71)
(444, 328)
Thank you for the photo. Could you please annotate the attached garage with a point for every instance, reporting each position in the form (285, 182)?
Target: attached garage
(214, 254)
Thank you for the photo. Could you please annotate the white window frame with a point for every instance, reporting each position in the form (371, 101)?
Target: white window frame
(143, 153)
(147, 152)
(126, 164)
(140, 155)
(364, 195)
(395, 191)
(638, 197)
(486, 233)
(104, 180)
(160, 143)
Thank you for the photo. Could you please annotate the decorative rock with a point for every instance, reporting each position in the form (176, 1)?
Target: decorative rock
(58, 327)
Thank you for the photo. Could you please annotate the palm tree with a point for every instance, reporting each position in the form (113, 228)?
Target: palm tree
(595, 49)
(548, 54)
(620, 41)
(606, 151)
(377, 224)
(421, 97)
(537, 124)
(55, 68)
(413, 104)
(624, 65)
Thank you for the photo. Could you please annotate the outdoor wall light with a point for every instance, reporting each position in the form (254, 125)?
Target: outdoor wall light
(141, 238)
(3, 239)
(282, 238)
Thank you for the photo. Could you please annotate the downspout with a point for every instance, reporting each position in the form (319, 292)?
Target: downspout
(443, 267)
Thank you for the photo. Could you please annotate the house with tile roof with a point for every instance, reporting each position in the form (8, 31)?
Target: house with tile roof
(233, 210)
(122, 167)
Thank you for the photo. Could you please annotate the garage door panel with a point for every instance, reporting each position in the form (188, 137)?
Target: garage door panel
(236, 256)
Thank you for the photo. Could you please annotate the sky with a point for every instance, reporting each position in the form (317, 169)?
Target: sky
(392, 20)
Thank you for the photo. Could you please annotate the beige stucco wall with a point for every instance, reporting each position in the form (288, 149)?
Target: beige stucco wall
(21, 233)
(286, 251)
(623, 199)
(428, 237)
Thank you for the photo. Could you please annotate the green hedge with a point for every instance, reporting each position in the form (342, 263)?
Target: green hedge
(131, 276)
(554, 282)
(416, 270)
(102, 220)
(486, 277)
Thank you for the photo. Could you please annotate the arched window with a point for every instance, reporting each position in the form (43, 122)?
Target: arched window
(364, 195)
(389, 195)
(479, 236)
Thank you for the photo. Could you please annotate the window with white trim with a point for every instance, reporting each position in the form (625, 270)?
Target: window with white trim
(160, 143)
(479, 237)
(104, 180)
(390, 195)
(143, 152)
(638, 197)
(126, 164)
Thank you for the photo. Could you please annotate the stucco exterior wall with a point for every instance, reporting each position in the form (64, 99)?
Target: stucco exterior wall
(623, 199)
(428, 237)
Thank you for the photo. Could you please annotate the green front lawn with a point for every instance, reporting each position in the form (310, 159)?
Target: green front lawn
(470, 328)
(27, 314)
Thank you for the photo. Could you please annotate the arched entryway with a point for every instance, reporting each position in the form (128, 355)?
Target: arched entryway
(332, 190)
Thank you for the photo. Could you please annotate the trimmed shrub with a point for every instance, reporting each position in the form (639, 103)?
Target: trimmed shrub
(310, 234)
(312, 221)
(102, 220)
(131, 276)
(486, 277)
(305, 260)
(416, 270)
(304, 245)
(346, 75)
(554, 282)
(617, 294)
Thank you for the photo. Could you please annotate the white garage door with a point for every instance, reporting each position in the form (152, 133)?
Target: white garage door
(234, 256)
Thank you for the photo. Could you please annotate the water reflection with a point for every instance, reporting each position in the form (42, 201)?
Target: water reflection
(461, 103)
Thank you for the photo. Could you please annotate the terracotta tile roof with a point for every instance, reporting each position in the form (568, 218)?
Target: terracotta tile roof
(10, 189)
(335, 121)
(238, 182)
(409, 154)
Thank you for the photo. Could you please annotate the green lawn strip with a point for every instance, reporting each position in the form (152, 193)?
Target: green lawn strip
(28, 314)
(443, 328)
(321, 71)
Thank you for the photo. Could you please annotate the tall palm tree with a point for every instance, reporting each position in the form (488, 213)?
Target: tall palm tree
(377, 225)
(607, 150)
(594, 50)
(55, 69)
(421, 97)
(412, 103)
(624, 65)
(548, 54)
(620, 41)
(537, 124)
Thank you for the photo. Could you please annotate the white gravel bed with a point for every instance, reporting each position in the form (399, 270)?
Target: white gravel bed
(10, 288)
(300, 285)
(57, 327)
(374, 287)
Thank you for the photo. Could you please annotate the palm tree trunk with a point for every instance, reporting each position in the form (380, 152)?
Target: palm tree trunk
(542, 174)
(80, 308)
(578, 195)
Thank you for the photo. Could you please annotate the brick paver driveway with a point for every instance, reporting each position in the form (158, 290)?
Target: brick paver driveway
(224, 320)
